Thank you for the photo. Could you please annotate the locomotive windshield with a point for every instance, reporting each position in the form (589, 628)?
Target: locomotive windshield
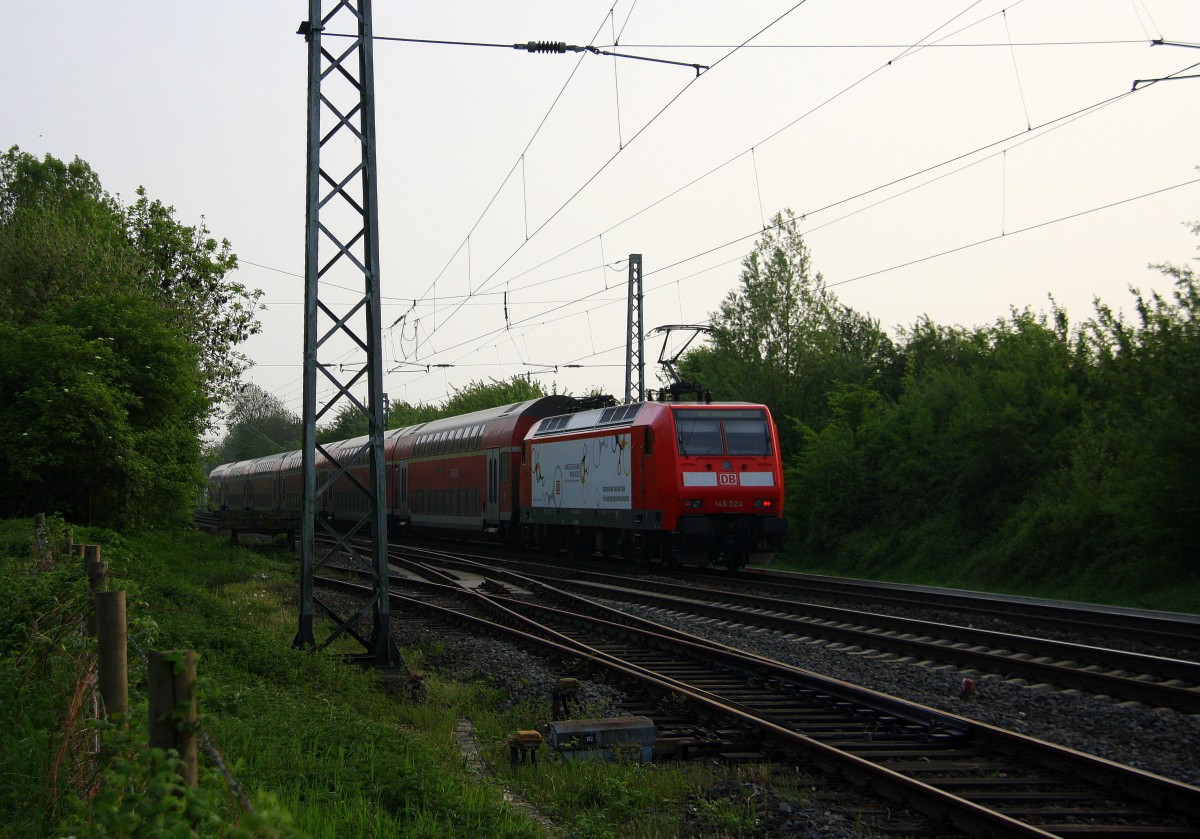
(736, 432)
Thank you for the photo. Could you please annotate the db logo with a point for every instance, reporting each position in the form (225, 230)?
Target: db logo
(727, 479)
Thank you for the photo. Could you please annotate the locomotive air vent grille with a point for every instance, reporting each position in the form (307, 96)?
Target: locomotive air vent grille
(549, 426)
(622, 413)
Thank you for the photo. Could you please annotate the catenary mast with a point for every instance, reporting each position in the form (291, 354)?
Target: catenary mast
(342, 248)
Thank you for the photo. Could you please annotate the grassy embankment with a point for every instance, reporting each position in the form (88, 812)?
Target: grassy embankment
(1144, 585)
(321, 750)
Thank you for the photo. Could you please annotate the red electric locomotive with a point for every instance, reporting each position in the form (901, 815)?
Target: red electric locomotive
(684, 483)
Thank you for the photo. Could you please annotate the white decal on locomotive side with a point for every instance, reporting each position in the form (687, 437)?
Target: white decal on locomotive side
(590, 473)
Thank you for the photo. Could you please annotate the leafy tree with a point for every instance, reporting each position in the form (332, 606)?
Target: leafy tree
(479, 396)
(118, 330)
(188, 269)
(102, 413)
(350, 422)
(978, 425)
(404, 414)
(783, 338)
(258, 424)
(1134, 476)
(62, 237)
(833, 480)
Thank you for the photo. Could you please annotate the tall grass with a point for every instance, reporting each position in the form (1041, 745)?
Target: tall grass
(312, 740)
(320, 748)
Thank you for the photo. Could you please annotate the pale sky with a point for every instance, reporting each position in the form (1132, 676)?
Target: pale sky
(831, 110)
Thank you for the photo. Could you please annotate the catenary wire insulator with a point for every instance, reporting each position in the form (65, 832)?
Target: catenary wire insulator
(545, 46)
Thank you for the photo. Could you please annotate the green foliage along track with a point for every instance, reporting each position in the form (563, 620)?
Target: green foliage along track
(1031, 455)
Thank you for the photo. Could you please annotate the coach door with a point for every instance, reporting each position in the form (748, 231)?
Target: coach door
(491, 507)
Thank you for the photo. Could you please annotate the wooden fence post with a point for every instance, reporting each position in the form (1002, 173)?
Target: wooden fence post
(113, 653)
(173, 706)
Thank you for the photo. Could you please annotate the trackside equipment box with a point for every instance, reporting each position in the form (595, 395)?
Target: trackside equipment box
(605, 739)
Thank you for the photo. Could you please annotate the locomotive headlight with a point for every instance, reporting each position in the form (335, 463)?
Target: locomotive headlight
(765, 503)
(693, 503)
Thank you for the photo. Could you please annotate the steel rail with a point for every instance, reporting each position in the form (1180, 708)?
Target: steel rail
(923, 642)
(939, 646)
(962, 812)
(966, 815)
(1168, 629)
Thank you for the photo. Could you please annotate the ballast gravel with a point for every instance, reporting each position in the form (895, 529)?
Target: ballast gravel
(1157, 740)
(1160, 741)
(522, 678)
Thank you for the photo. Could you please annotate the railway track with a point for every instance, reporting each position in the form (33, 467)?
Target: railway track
(1171, 632)
(1165, 633)
(1155, 680)
(983, 780)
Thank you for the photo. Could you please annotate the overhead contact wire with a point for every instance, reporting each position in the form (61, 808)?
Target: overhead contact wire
(1015, 232)
(487, 282)
(915, 174)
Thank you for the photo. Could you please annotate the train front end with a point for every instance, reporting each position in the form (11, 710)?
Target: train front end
(726, 503)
